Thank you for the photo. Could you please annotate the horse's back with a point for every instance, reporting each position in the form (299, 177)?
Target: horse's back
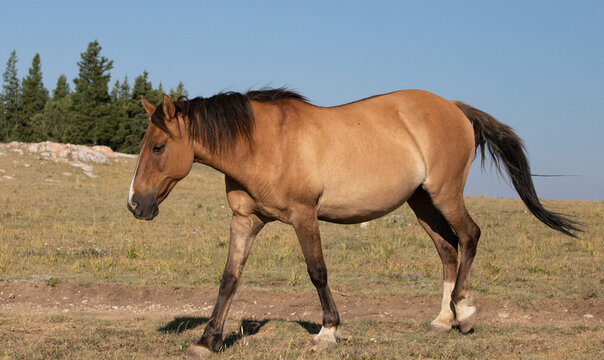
(361, 160)
(373, 154)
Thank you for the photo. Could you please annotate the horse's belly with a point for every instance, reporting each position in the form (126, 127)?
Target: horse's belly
(369, 196)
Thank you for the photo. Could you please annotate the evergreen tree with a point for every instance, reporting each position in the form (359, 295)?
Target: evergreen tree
(33, 99)
(132, 128)
(120, 97)
(124, 89)
(57, 112)
(114, 93)
(10, 97)
(92, 122)
(120, 90)
(62, 88)
(2, 119)
(143, 87)
(180, 90)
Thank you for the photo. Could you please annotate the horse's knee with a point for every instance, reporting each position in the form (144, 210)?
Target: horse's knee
(318, 275)
(448, 254)
(230, 280)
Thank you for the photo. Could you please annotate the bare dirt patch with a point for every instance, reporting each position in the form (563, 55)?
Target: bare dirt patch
(110, 300)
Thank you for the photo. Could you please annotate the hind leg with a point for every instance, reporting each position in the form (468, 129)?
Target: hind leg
(452, 207)
(433, 222)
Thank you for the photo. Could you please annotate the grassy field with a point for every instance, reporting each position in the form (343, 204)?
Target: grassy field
(58, 226)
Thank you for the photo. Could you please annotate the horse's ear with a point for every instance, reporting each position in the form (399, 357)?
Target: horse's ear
(169, 109)
(150, 109)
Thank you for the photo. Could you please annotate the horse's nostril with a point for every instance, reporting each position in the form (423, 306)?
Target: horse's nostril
(132, 205)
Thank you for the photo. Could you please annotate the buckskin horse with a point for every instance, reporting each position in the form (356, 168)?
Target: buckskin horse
(288, 160)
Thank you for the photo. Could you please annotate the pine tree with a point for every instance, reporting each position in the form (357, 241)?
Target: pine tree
(57, 112)
(132, 128)
(143, 87)
(180, 90)
(92, 123)
(120, 97)
(113, 94)
(10, 97)
(120, 90)
(33, 99)
(2, 119)
(124, 89)
(62, 88)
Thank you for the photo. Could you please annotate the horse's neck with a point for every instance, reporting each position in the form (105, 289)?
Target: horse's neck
(234, 164)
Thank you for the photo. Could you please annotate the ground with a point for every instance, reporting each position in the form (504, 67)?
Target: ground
(81, 279)
(166, 318)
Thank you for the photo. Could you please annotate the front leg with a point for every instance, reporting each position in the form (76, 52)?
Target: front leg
(243, 231)
(306, 226)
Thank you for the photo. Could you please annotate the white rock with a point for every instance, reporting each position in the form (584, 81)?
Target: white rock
(106, 150)
(66, 152)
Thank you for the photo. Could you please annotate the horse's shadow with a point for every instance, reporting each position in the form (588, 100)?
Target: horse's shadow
(248, 327)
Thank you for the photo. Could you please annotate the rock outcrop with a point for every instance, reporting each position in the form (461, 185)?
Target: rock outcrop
(76, 155)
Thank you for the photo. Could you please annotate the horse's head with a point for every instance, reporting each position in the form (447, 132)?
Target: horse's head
(166, 156)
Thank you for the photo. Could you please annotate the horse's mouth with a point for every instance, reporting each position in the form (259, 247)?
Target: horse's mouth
(144, 211)
(149, 216)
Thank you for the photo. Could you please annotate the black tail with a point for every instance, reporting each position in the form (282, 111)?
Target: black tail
(506, 147)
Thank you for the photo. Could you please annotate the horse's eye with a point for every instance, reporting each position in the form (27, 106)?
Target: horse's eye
(159, 148)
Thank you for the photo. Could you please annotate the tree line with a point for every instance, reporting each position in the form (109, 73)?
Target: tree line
(90, 114)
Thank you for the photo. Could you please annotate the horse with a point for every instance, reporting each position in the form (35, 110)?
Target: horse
(286, 159)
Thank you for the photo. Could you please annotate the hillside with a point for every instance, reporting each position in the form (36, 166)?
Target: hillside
(74, 265)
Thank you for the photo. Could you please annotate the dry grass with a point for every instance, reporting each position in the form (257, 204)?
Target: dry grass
(83, 337)
(71, 228)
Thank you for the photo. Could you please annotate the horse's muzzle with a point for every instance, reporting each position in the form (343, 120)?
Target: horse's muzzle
(144, 207)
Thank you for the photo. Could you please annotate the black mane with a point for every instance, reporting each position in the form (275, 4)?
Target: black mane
(220, 120)
(267, 95)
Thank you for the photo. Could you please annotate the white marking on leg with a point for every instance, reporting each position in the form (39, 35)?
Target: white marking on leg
(446, 317)
(446, 303)
(464, 310)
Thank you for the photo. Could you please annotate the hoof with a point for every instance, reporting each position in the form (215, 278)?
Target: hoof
(438, 326)
(467, 325)
(465, 315)
(322, 345)
(325, 339)
(197, 352)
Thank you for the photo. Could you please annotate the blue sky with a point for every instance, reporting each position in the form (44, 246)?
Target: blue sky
(537, 66)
